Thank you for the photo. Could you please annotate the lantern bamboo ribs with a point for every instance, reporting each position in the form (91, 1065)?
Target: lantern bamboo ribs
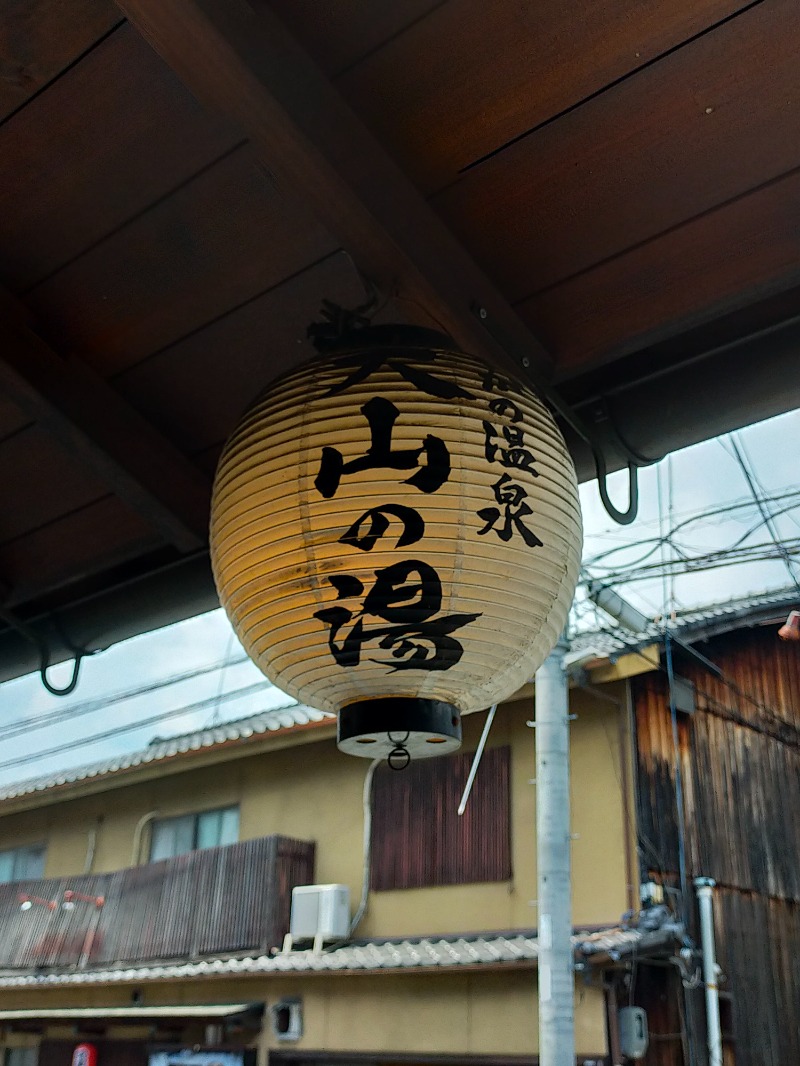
(396, 521)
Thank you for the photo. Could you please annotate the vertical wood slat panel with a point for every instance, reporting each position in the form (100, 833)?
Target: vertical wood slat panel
(418, 839)
(225, 899)
(740, 753)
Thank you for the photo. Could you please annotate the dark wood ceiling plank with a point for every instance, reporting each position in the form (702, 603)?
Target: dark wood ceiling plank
(12, 420)
(195, 390)
(43, 481)
(41, 38)
(117, 133)
(485, 73)
(248, 65)
(218, 241)
(98, 429)
(744, 251)
(708, 123)
(340, 34)
(81, 545)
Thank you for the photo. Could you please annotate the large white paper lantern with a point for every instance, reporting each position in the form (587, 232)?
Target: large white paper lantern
(396, 537)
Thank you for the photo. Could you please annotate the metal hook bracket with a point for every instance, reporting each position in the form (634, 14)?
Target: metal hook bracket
(633, 459)
(45, 652)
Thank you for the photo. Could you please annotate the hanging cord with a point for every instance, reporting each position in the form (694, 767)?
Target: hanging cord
(45, 653)
(338, 321)
(633, 459)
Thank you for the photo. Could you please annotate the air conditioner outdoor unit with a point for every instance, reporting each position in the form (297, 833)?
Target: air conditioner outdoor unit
(320, 913)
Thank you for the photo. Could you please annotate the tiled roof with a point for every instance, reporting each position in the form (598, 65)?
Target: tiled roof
(449, 952)
(243, 729)
(718, 617)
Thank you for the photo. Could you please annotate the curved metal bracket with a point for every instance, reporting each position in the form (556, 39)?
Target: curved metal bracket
(624, 518)
(44, 665)
(45, 653)
(576, 423)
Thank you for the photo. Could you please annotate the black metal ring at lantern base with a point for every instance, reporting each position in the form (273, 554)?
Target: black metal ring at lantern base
(399, 716)
(398, 758)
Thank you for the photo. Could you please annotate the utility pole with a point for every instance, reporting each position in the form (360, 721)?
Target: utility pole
(553, 844)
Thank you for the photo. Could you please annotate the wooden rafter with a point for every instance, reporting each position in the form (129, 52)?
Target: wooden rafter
(245, 63)
(102, 431)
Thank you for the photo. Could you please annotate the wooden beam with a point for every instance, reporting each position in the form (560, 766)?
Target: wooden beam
(101, 430)
(245, 63)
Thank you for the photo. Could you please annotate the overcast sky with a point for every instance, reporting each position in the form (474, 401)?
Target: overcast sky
(702, 477)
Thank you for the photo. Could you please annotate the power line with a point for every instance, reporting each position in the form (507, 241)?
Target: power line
(108, 734)
(77, 710)
(762, 552)
(765, 513)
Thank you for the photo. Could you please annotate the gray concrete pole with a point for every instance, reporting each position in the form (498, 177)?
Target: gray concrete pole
(553, 844)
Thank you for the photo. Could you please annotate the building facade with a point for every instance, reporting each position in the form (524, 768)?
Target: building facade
(176, 865)
(193, 839)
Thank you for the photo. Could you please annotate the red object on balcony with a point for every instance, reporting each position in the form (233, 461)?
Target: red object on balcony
(70, 897)
(84, 1055)
(790, 630)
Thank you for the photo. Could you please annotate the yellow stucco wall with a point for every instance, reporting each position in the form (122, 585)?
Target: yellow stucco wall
(470, 1013)
(312, 792)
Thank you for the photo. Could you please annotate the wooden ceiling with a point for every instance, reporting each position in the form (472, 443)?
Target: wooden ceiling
(183, 181)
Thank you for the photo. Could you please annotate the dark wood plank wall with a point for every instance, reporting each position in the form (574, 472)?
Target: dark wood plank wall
(418, 839)
(740, 761)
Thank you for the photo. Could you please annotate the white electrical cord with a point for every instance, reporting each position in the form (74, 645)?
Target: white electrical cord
(367, 851)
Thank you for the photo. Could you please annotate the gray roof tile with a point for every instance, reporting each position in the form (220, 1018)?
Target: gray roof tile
(254, 726)
(370, 956)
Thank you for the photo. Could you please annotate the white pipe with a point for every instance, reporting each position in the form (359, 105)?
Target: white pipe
(367, 845)
(704, 887)
(91, 846)
(476, 761)
(137, 836)
(556, 977)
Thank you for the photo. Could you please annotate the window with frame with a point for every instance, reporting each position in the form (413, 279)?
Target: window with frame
(418, 839)
(192, 832)
(22, 864)
(21, 1056)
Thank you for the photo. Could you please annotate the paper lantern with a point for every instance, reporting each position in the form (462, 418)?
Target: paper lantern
(396, 537)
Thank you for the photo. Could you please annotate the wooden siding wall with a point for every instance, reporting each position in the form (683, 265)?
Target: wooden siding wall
(740, 762)
(220, 899)
(418, 838)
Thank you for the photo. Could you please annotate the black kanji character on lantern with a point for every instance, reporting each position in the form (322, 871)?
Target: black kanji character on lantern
(511, 451)
(381, 414)
(364, 536)
(512, 498)
(365, 366)
(405, 599)
(503, 406)
(493, 380)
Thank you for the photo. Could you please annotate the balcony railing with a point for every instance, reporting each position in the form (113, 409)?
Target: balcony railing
(219, 900)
